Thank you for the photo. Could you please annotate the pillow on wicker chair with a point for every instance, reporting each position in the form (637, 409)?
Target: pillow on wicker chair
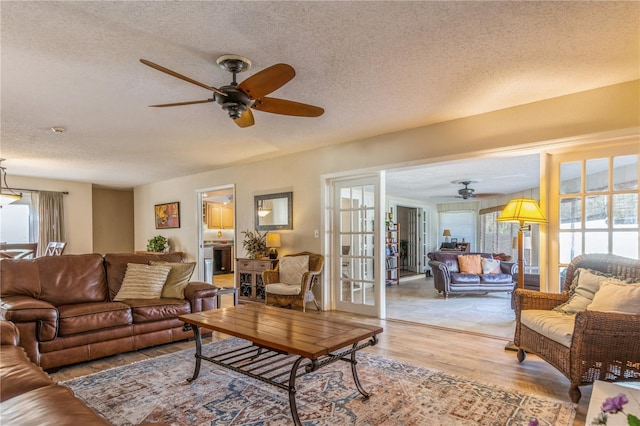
(584, 286)
(292, 268)
(614, 296)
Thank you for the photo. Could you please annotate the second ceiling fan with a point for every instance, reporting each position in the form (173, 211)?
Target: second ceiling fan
(238, 99)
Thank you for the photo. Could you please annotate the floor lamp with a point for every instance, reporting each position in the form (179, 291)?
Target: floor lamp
(523, 211)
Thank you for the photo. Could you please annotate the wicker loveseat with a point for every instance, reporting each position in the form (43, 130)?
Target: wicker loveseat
(593, 344)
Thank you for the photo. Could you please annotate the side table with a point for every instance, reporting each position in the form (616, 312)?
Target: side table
(226, 290)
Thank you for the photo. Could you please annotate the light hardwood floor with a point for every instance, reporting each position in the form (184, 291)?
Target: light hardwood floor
(482, 358)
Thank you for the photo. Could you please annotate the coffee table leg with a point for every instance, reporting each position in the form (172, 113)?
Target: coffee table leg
(355, 373)
(196, 335)
(292, 392)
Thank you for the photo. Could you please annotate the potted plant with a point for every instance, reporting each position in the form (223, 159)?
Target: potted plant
(158, 243)
(255, 243)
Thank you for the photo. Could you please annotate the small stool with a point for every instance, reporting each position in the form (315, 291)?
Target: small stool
(226, 290)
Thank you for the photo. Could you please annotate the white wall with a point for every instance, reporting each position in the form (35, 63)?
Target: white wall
(607, 109)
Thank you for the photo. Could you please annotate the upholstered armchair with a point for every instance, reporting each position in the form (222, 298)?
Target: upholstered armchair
(291, 282)
(585, 342)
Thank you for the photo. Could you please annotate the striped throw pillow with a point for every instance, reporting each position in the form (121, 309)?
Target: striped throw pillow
(143, 281)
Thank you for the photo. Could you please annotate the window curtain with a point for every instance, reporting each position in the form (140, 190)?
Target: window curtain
(496, 237)
(50, 210)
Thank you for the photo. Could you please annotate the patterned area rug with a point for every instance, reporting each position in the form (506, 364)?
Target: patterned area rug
(156, 390)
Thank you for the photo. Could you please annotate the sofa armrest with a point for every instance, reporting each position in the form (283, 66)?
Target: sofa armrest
(201, 296)
(531, 299)
(25, 309)
(510, 268)
(9, 334)
(270, 276)
(616, 336)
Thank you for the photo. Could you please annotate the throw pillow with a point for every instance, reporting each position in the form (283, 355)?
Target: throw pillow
(143, 281)
(616, 297)
(292, 268)
(178, 278)
(587, 283)
(470, 264)
(490, 266)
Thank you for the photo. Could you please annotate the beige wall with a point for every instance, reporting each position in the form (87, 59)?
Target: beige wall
(112, 220)
(610, 109)
(78, 220)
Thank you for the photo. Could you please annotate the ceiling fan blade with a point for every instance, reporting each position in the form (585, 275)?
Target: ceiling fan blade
(181, 77)
(246, 119)
(267, 80)
(182, 103)
(284, 107)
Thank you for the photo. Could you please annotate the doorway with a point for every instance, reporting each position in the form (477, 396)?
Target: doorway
(216, 239)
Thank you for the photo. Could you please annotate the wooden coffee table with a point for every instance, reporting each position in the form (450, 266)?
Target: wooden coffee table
(285, 344)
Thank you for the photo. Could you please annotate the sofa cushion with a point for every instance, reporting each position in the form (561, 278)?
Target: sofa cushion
(490, 266)
(85, 317)
(147, 310)
(177, 279)
(614, 296)
(292, 268)
(72, 278)
(116, 265)
(460, 278)
(585, 285)
(143, 282)
(50, 405)
(470, 264)
(557, 326)
(496, 278)
(18, 374)
(284, 289)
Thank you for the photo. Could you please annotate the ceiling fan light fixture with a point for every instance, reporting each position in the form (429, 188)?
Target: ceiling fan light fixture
(7, 195)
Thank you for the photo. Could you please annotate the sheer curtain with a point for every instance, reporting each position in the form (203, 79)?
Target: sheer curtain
(50, 214)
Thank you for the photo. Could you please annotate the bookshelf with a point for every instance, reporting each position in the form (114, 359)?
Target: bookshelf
(392, 252)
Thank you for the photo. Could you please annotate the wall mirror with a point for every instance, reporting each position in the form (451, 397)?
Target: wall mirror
(274, 211)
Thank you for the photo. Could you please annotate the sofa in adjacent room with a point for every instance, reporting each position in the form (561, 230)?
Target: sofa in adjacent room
(456, 272)
(75, 308)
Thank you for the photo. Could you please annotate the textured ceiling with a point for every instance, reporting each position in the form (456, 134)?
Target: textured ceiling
(375, 67)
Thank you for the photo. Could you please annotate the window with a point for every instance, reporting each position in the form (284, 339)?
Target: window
(462, 225)
(496, 237)
(17, 223)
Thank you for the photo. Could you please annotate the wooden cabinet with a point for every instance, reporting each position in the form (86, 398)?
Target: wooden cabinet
(392, 251)
(219, 216)
(249, 278)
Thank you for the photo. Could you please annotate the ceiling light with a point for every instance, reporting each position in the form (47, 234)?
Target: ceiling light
(7, 195)
(58, 129)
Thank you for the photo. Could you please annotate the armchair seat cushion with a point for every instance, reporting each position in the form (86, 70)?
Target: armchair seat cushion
(554, 325)
(284, 289)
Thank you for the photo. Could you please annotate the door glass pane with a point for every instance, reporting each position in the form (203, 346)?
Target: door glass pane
(625, 244)
(597, 179)
(570, 176)
(596, 212)
(570, 245)
(625, 210)
(625, 172)
(596, 242)
(570, 213)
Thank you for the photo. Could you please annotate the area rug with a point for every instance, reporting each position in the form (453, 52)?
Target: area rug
(155, 390)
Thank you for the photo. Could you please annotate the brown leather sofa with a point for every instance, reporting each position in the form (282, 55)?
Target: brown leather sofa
(447, 278)
(63, 307)
(28, 396)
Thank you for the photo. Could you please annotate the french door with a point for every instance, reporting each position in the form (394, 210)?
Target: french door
(357, 223)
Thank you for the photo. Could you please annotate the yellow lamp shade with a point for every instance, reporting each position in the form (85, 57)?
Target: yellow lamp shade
(522, 210)
(273, 240)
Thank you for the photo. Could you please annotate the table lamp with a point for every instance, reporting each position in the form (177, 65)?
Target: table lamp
(446, 234)
(273, 242)
(523, 211)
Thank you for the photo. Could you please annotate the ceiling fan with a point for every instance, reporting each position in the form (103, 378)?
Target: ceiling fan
(239, 99)
(465, 192)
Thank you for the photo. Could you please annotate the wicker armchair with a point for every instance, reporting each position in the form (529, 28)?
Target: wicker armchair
(604, 345)
(303, 294)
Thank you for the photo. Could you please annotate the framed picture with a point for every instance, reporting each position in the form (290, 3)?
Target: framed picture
(167, 215)
(454, 240)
